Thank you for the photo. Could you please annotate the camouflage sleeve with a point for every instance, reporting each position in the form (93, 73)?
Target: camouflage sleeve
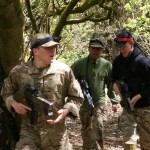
(6, 93)
(74, 95)
(74, 111)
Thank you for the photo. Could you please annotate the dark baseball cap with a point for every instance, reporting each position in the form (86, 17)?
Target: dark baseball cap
(44, 40)
(122, 38)
(96, 41)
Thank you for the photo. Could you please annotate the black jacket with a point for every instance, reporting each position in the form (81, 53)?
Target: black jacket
(135, 72)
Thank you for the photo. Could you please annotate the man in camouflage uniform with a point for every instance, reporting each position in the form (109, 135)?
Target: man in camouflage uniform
(132, 67)
(97, 72)
(56, 83)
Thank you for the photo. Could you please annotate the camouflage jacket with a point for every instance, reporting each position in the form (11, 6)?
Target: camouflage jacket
(56, 83)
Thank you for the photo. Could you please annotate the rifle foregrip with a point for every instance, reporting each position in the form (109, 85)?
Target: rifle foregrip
(87, 96)
(124, 91)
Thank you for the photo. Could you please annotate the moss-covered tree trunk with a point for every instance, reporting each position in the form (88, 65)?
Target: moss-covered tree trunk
(11, 34)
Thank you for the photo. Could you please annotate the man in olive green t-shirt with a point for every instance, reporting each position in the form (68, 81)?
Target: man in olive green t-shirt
(97, 73)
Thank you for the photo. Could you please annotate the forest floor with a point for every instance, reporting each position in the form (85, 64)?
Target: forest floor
(113, 136)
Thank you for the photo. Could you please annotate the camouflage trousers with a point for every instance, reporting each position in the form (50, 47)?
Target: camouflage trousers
(140, 116)
(44, 137)
(93, 127)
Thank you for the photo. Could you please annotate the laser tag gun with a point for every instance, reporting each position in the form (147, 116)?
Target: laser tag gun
(124, 91)
(29, 96)
(87, 96)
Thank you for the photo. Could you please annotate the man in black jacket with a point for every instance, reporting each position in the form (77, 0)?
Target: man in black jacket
(133, 68)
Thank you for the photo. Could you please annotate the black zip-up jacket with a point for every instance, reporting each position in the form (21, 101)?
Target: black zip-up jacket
(135, 72)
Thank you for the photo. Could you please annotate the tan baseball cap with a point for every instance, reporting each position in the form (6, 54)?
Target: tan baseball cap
(44, 40)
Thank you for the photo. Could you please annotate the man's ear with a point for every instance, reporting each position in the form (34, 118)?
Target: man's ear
(35, 51)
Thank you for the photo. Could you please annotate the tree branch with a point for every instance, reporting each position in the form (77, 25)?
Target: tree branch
(80, 9)
(86, 5)
(33, 22)
(64, 16)
(76, 21)
(109, 9)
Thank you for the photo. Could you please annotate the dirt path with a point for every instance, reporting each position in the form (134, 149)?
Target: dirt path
(113, 136)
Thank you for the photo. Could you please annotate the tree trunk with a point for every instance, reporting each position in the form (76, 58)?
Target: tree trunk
(11, 34)
(130, 145)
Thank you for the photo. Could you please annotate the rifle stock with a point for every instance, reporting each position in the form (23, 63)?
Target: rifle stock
(124, 91)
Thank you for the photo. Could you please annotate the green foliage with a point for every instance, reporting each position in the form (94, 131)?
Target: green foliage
(128, 7)
(74, 42)
(131, 14)
(69, 57)
(132, 23)
(136, 18)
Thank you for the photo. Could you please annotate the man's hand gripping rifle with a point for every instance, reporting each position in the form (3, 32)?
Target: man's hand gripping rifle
(125, 95)
(30, 97)
(87, 96)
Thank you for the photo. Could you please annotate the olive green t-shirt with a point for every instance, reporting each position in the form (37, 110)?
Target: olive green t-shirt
(98, 75)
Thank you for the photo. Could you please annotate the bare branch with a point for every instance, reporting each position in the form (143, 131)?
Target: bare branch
(103, 18)
(76, 21)
(79, 9)
(27, 2)
(64, 16)
(86, 5)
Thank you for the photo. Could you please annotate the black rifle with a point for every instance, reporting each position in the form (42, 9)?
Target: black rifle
(30, 97)
(87, 96)
(125, 94)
